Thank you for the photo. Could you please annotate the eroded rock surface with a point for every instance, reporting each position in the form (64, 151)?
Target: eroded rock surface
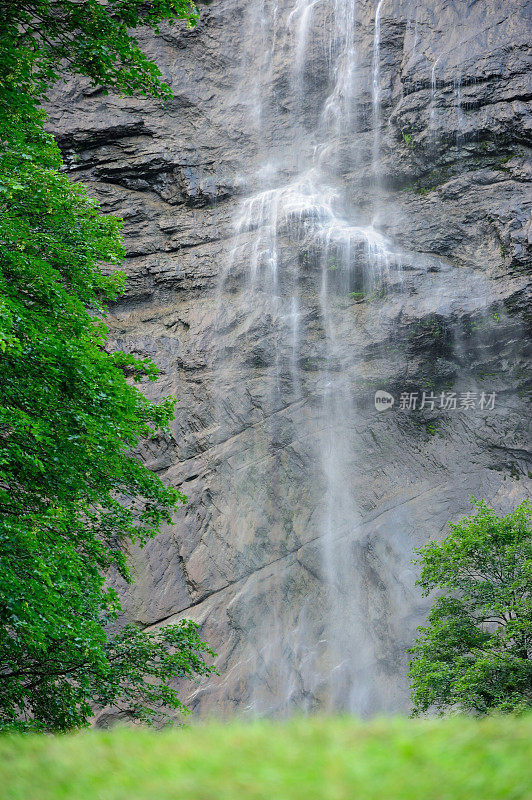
(304, 617)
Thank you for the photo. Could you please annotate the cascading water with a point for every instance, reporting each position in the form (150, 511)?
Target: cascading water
(305, 255)
(376, 89)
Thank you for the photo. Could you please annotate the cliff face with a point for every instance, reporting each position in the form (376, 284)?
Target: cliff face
(333, 203)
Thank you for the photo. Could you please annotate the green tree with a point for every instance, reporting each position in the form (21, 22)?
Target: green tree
(72, 492)
(91, 38)
(475, 653)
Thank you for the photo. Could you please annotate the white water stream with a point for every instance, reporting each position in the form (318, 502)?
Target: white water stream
(303, 252)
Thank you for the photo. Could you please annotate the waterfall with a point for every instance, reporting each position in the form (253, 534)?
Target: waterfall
(302, 257)
(433, 86)
(376, 86)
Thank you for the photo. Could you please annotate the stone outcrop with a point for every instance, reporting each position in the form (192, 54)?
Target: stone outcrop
(447, 180)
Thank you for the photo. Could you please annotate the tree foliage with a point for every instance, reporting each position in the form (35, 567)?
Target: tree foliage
(72, 492)
(475, 653)
(91, 38)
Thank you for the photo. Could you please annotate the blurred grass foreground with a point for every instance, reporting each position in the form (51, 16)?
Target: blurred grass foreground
(303, 759)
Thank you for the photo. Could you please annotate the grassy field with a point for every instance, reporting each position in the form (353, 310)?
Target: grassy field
(303, 759)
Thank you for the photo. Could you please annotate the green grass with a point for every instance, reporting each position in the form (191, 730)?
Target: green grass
(304, 759)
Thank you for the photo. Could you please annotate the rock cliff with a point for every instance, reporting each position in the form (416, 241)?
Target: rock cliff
(277, 306)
